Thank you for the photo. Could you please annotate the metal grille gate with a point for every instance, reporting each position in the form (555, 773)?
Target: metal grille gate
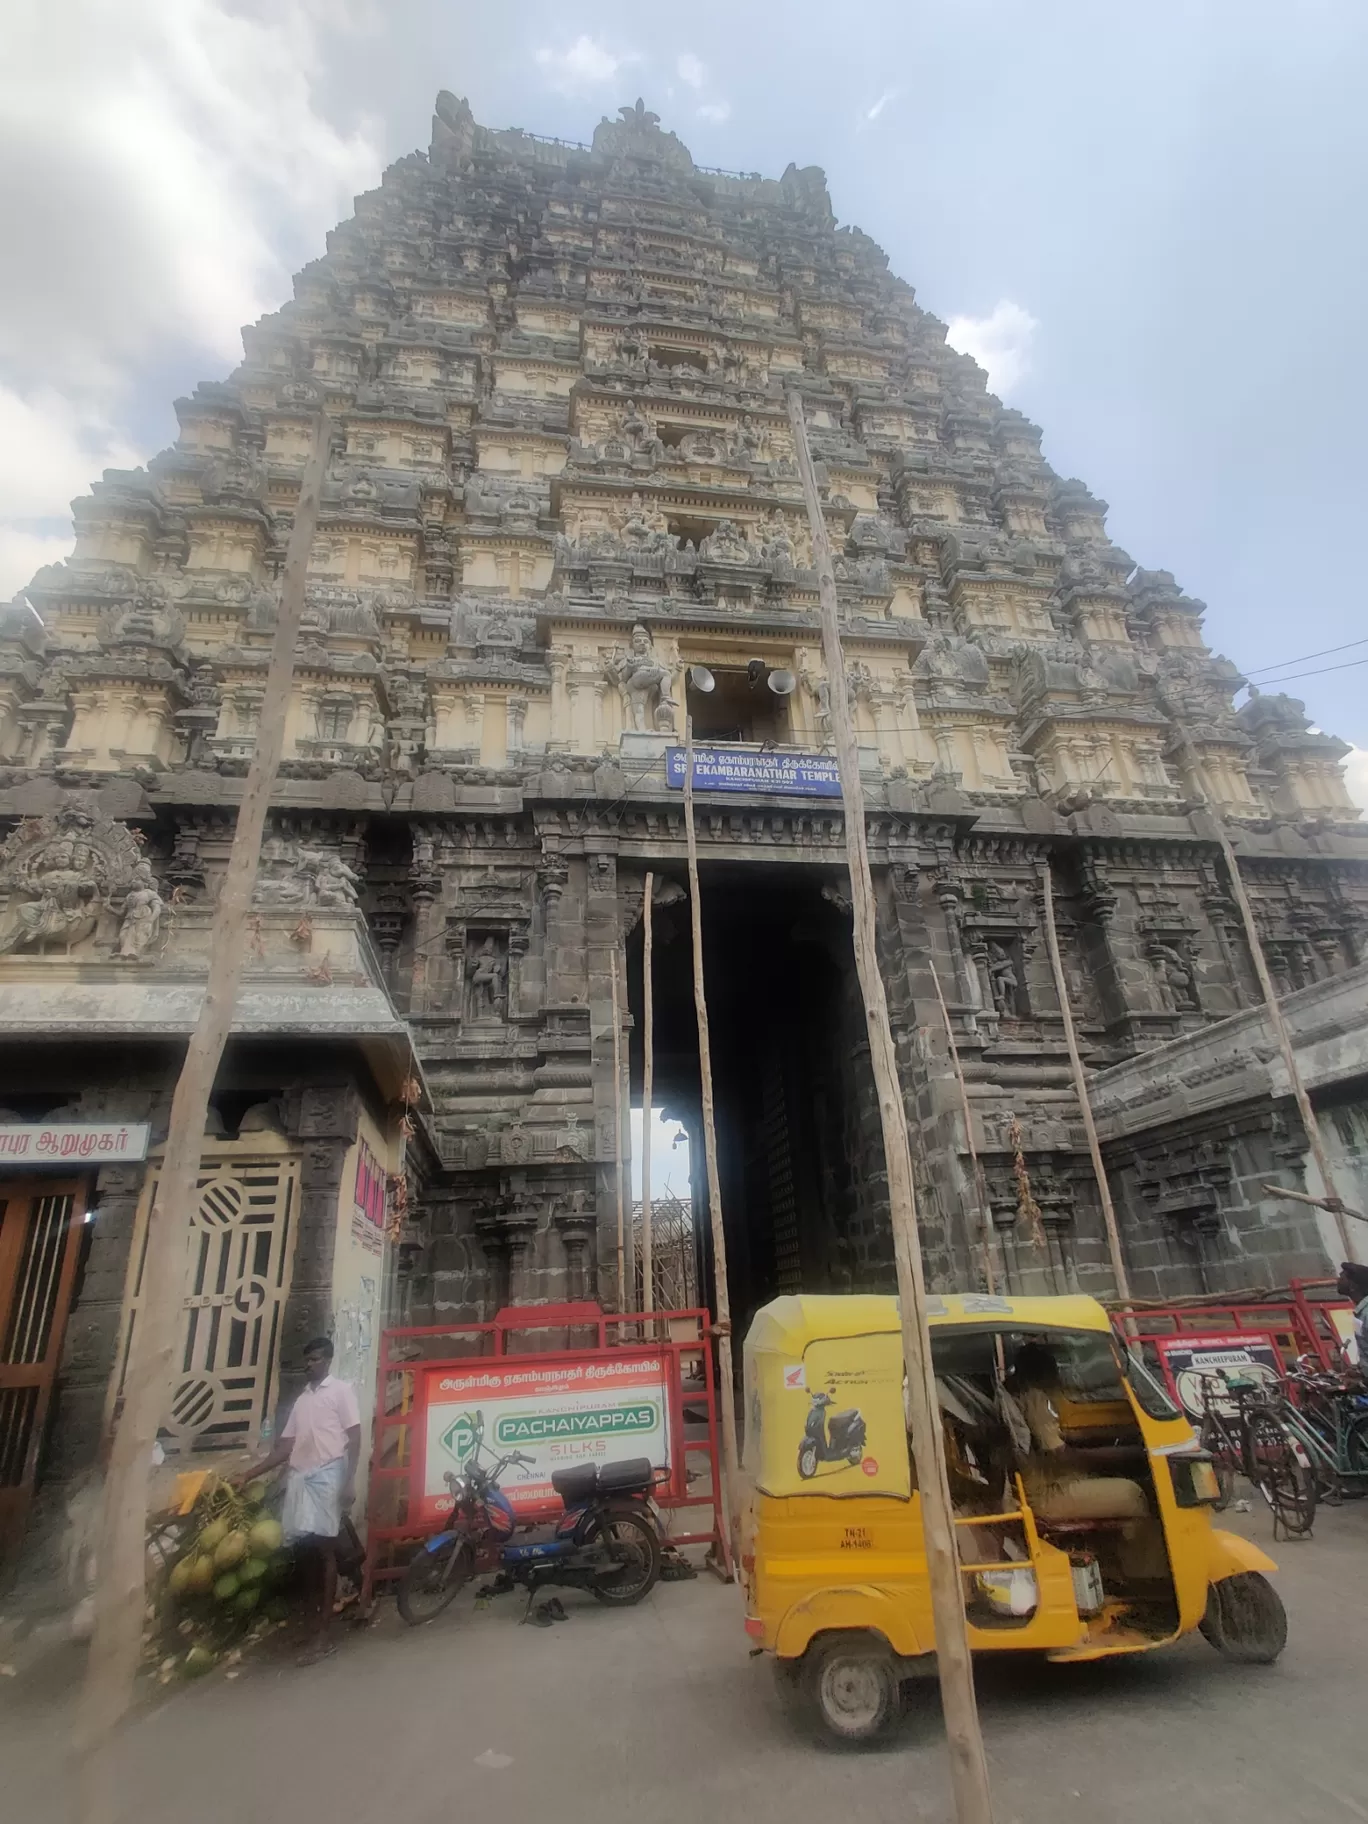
(241, 1249)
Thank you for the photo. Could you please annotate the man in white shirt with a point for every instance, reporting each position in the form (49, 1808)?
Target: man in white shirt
(321, 1442)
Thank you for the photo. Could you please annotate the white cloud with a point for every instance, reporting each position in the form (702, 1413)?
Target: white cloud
(23, 554)
(692, 70)
(160, 163)
(586, 64)
(715, 110)
(152, 146)
(1356, 776)
(1000, 342)
(50, 452)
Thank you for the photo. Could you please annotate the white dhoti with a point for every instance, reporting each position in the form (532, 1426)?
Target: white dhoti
(313, 1502)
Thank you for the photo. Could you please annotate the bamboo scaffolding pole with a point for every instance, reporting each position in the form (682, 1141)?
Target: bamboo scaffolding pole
(731, 1464)
(624, 1303)
(1317, 1203)
(980, 1182)
(116, 1643)
(1331, 1200)
(1080, 1082)
(968, 1763)
(647, 1087)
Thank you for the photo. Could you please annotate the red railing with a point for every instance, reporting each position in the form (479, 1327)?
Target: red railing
(682, 1338)
(1300, 1325)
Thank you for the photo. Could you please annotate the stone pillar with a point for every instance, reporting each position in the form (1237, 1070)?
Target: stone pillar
(576, 1225)
(324, 1121)
(90, 1349)
(602, 940)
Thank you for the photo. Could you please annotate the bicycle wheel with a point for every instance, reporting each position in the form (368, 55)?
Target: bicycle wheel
(1356, 1453)
(1285, 1482)
(433, 1580)
(1213, 1440)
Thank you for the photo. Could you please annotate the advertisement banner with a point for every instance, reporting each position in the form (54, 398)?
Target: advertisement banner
(1249, 1355)
(560, 1412)
(832, 1423)
(723, 769)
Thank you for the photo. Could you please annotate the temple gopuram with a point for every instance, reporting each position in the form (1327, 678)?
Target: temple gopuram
(562, 512)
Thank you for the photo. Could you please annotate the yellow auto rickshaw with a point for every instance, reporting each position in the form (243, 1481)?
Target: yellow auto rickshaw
(1082, 1500)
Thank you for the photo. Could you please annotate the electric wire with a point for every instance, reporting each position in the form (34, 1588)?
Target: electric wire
(1319, 672)
(1302, 657)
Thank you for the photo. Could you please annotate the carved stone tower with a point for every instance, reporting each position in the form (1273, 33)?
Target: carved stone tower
(562, 508)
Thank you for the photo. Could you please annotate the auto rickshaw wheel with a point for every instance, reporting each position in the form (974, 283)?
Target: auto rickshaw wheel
(852, 1679)
(1245, 1619)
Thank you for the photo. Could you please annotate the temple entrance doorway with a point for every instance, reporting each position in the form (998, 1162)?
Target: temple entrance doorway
(799, 1154)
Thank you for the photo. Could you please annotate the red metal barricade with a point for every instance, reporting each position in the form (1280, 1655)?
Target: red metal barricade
(547, 1336)
(1300, 1324)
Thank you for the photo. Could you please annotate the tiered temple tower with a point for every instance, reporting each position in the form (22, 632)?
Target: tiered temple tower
(562, 477)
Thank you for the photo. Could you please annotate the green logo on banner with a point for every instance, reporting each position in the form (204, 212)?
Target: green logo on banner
(603, 1422)
(459, 1436)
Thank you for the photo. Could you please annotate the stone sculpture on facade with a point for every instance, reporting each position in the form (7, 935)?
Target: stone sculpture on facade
(485, 983)
(61, 873)
(1174, 977)
(143, 906)
(1003, 977)
(645, 685)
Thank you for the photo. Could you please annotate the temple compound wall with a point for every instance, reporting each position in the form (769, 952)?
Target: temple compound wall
(561, 513)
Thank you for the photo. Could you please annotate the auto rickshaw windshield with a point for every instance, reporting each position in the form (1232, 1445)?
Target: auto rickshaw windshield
(1149, 1390)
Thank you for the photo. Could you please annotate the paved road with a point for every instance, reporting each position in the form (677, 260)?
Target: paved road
(659, 1713)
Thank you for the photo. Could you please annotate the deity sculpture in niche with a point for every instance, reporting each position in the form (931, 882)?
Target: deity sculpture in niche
(486, 982)
(60, 874)
(141, 921)
(645, 527)
(1174, 975)
(645, 685)
(1003, 980)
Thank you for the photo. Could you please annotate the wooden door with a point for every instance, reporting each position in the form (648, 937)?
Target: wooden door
(40, 1240)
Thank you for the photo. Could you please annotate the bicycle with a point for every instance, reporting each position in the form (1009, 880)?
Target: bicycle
(1328, 1413)
(1256, 1441)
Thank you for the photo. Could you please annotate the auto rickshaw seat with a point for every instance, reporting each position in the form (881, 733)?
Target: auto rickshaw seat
(1047, 1528)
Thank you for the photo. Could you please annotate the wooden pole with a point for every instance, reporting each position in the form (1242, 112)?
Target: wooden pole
(980, 1183)
(624, 1304)
(731, 1461)
(1317, 1203)
(647, 1087)
(1080, 1083)
(119, 1592)
(968, 1763)
(1332, 1202)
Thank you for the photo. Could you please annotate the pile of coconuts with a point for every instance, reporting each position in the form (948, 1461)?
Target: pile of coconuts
(227, 1574)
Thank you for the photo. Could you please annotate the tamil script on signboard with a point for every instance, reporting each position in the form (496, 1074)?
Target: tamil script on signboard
(59, 1142)
(558, 1413)
(720, 769)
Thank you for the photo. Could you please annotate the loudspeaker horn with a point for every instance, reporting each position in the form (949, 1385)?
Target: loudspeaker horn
(702, 679)
(782, 683)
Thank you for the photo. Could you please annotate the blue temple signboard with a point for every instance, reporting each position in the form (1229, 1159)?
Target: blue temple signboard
(725, 769)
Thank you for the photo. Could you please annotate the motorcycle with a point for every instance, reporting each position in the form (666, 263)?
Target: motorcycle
(830, 1437)
(604, 1542)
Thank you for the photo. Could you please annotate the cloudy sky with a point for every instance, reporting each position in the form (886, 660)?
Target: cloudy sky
(1147, 222)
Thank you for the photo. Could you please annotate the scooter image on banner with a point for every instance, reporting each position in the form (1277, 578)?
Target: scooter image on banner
(830, 1437)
